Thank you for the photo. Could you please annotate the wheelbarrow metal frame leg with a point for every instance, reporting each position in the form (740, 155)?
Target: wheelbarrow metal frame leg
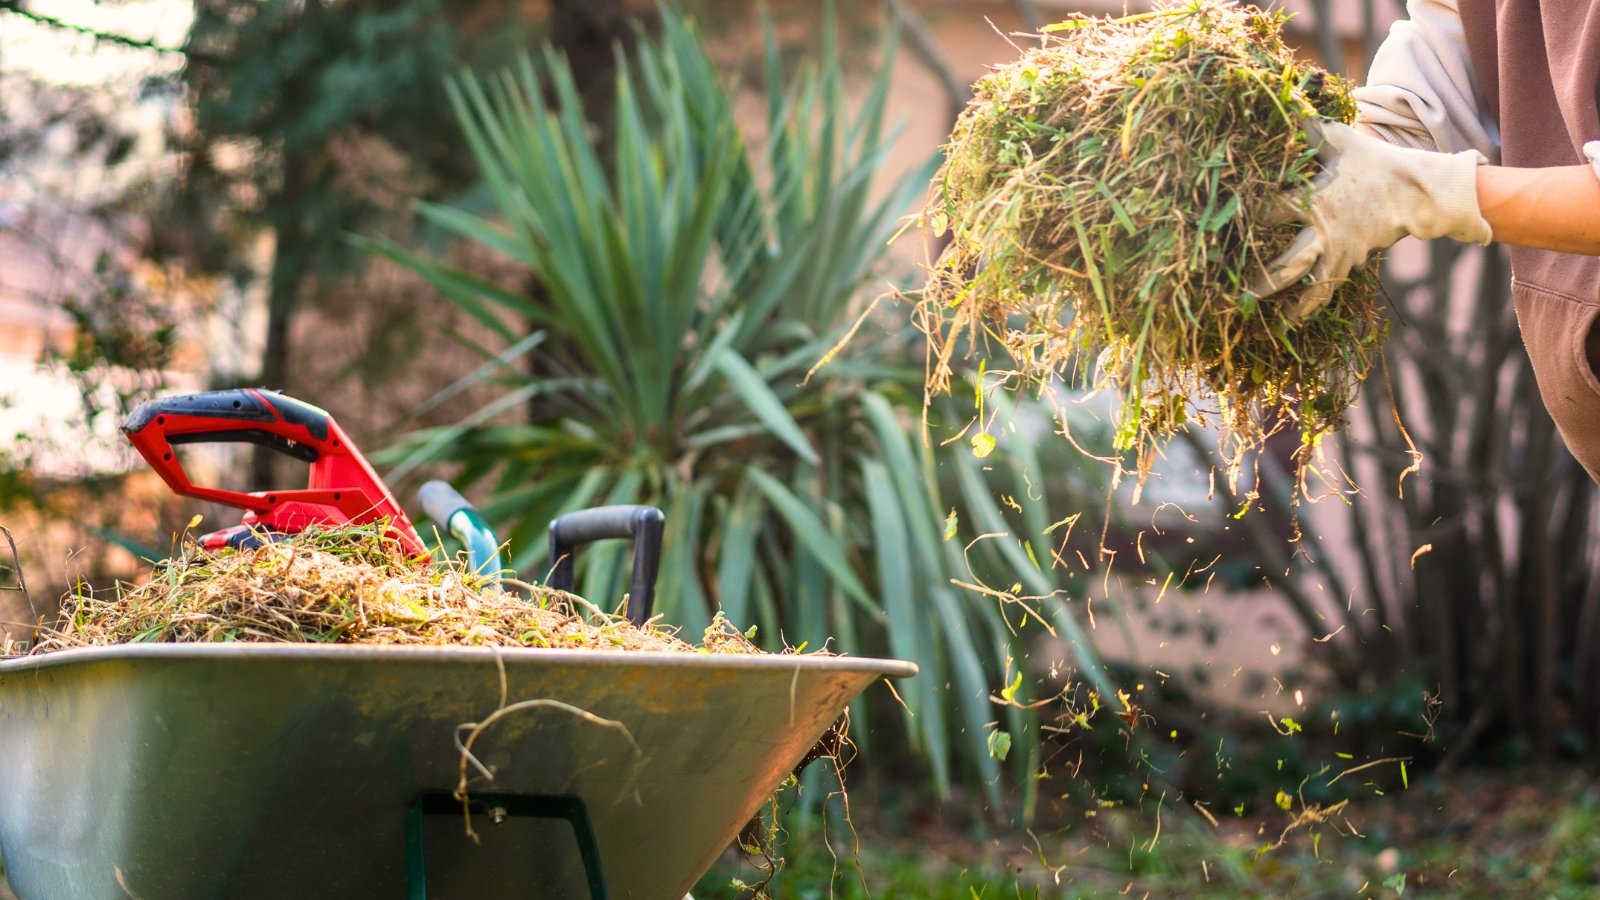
(533, 806)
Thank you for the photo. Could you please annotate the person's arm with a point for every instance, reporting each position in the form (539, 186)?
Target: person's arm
(1372, 193)
(1422, 91)
(1383, 179)
(1369, 194)
(1547, 209)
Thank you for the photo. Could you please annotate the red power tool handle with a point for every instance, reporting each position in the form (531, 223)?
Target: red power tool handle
(342, 489)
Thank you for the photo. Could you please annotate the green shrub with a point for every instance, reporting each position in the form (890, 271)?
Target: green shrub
(685, 283)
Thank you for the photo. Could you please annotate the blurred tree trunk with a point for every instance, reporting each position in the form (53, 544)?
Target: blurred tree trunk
(1498, 608)
(290, 257)
(590, 34)
(284, 285)
(295, 106)
(925, 47)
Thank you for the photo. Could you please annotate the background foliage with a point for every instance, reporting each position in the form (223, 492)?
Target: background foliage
(682, 294)
(644, 320)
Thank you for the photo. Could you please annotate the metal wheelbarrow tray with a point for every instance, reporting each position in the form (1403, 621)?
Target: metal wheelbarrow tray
(271, 771)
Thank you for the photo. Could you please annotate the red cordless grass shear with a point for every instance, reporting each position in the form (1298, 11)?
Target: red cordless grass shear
(343, 488)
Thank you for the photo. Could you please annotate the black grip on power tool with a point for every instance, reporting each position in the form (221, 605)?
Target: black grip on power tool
(644, 524)
(259, 405)
(440, 501)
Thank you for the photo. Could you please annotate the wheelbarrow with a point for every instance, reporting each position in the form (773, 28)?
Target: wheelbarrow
(274, 771)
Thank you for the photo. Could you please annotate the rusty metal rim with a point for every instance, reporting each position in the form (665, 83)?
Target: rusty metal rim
(888, 668)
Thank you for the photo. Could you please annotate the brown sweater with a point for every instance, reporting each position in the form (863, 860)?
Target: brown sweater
(1538, 67)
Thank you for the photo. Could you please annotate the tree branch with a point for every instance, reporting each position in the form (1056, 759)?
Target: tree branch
(1032, 19)
(122, 40)
(1327, 37)
(926, 48)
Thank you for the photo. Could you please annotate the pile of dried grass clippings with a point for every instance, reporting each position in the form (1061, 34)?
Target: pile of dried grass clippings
(348, 585)
(1106, 198)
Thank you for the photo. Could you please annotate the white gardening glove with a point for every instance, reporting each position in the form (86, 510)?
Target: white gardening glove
(1369, 195)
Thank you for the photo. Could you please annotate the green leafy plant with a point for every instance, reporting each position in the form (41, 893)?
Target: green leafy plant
(683, 283)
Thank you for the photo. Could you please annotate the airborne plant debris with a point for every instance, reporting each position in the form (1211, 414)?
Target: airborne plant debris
(348, 585)
(1106, 201)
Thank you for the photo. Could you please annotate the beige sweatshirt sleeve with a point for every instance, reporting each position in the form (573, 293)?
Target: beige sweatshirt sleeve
(1421, 90)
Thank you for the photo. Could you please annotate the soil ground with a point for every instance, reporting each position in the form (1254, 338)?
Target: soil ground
(1523, 833)
(1508, 833)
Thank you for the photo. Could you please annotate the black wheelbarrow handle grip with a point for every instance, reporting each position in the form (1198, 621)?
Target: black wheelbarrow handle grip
(643, 524)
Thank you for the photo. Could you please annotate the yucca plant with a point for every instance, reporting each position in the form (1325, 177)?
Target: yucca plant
(684, 282)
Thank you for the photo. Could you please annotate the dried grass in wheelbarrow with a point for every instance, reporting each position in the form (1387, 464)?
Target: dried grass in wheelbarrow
(347, 585)
(1106, 201)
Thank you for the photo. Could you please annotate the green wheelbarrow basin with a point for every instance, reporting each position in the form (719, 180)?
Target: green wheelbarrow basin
(273, 771)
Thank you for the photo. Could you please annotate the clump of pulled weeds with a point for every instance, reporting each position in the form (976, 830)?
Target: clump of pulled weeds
(1106, 200)
(347, 585)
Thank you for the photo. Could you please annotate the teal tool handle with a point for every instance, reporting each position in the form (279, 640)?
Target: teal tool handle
(445, 505)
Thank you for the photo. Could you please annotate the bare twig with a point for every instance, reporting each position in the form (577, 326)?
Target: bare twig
(1368, 765)
(475, 729)
(926, 48)
(15, 7)
(22, 585)
(1327, 36)
(1032, 19)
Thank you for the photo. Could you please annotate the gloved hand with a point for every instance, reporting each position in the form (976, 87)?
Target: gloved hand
(1369, 195)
